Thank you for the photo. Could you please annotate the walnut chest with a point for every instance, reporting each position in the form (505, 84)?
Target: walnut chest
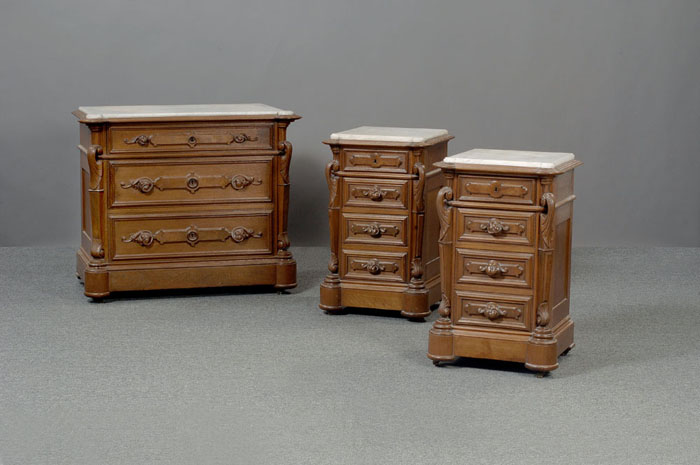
(505, 248)
(383, 221)
(184, 196)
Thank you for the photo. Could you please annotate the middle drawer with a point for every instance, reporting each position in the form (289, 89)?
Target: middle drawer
(494, 268)
(164, 182)
(382, 230)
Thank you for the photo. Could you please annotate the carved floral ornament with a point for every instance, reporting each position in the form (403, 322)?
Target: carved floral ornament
(374, 266)
(191, 182)
(191, 140)
(493, 310)
(374, 229)
(192, 235)
(376, 193)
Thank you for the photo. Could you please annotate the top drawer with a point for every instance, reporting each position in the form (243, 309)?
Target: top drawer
(497, 189)
(393, 161)
(189, 138)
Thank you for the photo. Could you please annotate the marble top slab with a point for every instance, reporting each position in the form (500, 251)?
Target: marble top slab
(388, 134)
(516, 158)
(174, 111)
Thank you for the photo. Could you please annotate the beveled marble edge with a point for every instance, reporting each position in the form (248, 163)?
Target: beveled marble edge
(507, 170)
(110, 113)
(514, 158)
(389, 134)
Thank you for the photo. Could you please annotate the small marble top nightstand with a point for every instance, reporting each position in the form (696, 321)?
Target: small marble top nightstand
(383, 220)
(505, 248)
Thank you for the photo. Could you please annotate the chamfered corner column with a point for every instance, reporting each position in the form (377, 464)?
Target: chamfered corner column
(415, 302)
(440, 338)
(330, 287)
(541, 353)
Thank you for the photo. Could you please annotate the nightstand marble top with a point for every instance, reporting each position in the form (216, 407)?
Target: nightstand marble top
(386, 134)
(515, 158)
(174, 111)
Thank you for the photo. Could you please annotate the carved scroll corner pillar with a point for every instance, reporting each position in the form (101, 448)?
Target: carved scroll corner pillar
(416, 282)
(285, 148)
(332, 168)
(283, 243)
(96, 195)
(419, 187)
(444, 211)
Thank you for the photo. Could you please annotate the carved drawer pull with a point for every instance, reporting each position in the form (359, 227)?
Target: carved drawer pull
(192, 235)
(493, 268)
(375, 160)
(494, 227)
(376, 194)
(374, 266)
(241, 138)
(492, 311)
(374, 229)
(192, 182)
(143, 140)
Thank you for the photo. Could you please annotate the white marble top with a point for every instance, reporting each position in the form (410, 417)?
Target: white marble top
(171, 111)
(385, 134)
(519, 158)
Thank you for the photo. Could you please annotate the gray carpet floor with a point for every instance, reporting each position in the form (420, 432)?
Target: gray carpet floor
(248, 376)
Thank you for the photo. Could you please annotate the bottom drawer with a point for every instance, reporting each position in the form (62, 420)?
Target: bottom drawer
(373, 266)
(184, 235)
(497, 310)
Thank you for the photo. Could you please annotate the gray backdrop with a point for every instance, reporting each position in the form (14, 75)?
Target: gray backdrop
(617, 83)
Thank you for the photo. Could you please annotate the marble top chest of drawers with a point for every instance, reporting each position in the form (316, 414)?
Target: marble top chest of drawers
(505, 248)
(383, 221)
(184, 196)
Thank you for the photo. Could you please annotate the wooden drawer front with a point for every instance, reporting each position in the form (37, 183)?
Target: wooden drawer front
(496, 226)
(373, 266)
(495, 268)
(190, 138)
(497, 189)
(498, 310)
(161, 183)
(375, 193)
(373, 160)
(374, 229)
(192, 235)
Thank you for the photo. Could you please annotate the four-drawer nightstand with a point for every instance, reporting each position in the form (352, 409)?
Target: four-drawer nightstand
(183, 196)
(383, 220)
(505, 248)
